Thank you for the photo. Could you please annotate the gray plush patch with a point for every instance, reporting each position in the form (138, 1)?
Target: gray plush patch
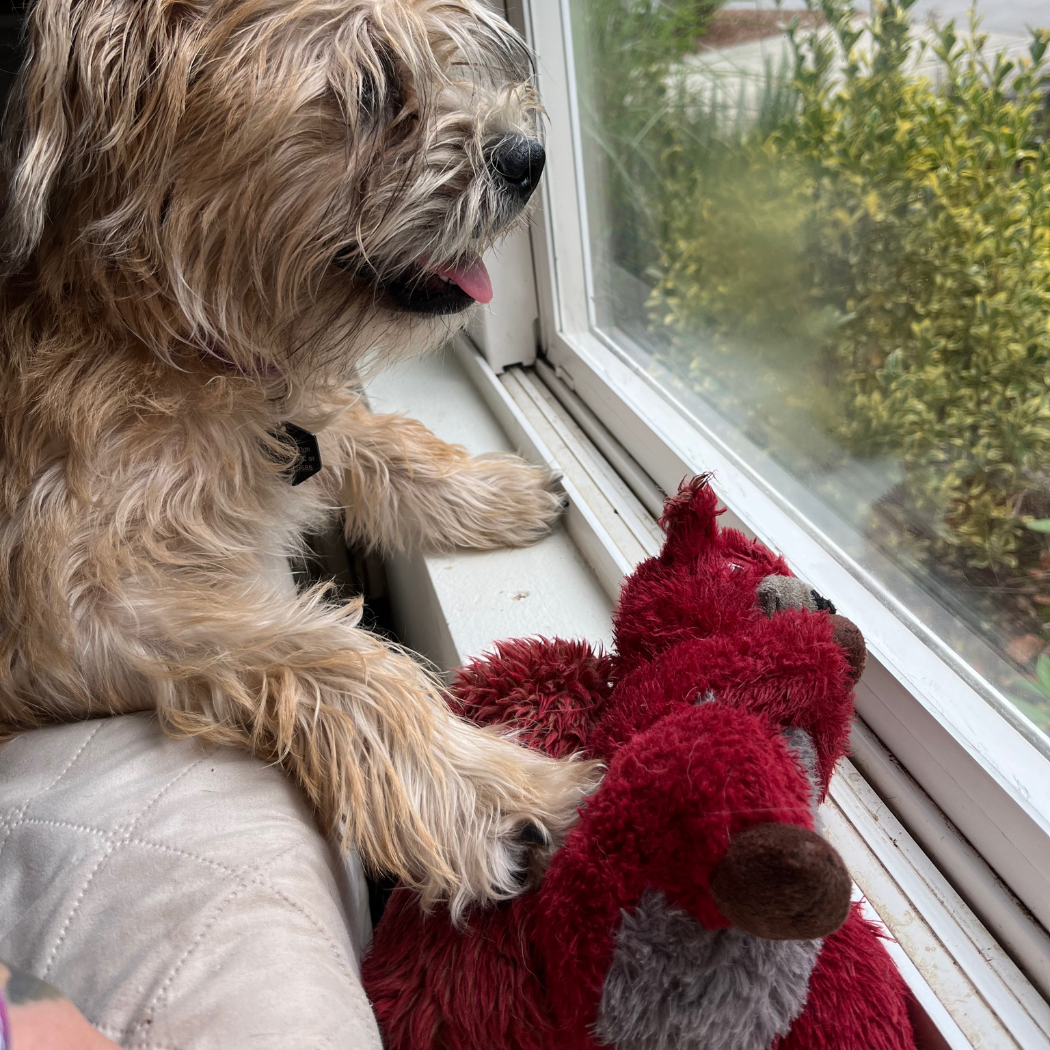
(776, 593)
(801, 745)
(674, 985)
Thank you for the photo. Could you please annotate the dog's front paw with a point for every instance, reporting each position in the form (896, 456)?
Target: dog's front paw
(504, 811)
(508, 502)
(530, 839)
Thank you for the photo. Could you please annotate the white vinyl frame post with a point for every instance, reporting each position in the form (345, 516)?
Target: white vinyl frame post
(962, 746)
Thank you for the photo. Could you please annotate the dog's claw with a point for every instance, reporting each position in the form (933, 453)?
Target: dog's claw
(532, 835)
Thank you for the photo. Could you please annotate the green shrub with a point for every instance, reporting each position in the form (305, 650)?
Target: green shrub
(893, 232)
(935, 201)
(626, 51)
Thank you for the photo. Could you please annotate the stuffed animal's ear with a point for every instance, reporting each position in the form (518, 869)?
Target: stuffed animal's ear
(690, 519)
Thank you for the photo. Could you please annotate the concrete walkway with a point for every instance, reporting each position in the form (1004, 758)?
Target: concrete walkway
(998, 16)
(737, 74)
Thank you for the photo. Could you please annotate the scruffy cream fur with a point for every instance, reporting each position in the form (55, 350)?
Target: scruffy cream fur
(204, 201)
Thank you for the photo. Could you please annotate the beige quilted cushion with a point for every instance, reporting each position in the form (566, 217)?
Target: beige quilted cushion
(182, 898)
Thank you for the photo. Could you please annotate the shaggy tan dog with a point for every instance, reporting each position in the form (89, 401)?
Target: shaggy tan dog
(217, 212)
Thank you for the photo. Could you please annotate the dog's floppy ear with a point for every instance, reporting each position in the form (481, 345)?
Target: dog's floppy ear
(37, 130)
(102, 81)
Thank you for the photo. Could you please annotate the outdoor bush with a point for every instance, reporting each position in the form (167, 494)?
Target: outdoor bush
(895, 227)
(934, 200)
(628, 48)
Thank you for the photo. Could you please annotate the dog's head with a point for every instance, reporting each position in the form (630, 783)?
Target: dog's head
(267, 180)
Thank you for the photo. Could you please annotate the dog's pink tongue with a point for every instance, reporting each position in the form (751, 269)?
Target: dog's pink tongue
(473, 279)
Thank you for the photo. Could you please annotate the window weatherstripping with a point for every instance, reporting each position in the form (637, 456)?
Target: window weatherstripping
(963, 868)
(982, 764)
(965, 984)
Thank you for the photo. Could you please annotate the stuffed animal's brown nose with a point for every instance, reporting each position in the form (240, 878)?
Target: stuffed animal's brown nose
(517, 161)
(783, 883)
(848, 636)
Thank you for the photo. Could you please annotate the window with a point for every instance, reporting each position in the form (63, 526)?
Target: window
(845, 258)
(810, 249)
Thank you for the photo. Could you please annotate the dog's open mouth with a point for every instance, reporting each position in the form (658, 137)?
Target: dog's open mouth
(443, 290)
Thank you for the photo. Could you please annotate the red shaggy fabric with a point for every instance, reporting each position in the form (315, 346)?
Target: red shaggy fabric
(703, 582)
(790, 669)
(689, 715)
(432, 986)
(662, 820)
(551, 691)
(857, 999)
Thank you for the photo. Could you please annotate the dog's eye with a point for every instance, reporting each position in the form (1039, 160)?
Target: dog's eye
(371, 97)
(380, 92)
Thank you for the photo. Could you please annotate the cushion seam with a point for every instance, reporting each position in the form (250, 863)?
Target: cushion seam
(247, 879)
(32, 798)
(52, 955)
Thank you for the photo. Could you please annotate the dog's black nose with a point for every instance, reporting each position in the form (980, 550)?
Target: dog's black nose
(517, 161)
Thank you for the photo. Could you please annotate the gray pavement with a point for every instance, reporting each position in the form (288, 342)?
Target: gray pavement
(738, 73)
(997, 16)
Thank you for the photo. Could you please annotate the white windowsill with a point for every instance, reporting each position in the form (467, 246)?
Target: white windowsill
(453, 607)
(450, 607)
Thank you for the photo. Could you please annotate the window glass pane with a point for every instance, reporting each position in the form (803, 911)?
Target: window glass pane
(827, 231)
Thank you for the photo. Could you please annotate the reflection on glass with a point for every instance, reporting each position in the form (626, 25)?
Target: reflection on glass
(827, 231)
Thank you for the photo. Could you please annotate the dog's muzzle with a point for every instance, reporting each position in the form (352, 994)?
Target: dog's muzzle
(515, 163)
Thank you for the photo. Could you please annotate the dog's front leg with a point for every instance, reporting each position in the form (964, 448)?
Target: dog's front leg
(213, 640)
(403, 487)
(443, 804)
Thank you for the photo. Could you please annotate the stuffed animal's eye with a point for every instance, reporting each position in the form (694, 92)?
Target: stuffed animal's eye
(776, 593)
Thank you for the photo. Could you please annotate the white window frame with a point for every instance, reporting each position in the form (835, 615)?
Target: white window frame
(965, 746)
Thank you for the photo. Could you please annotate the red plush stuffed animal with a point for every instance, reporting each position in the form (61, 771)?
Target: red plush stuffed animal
(693, 906)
